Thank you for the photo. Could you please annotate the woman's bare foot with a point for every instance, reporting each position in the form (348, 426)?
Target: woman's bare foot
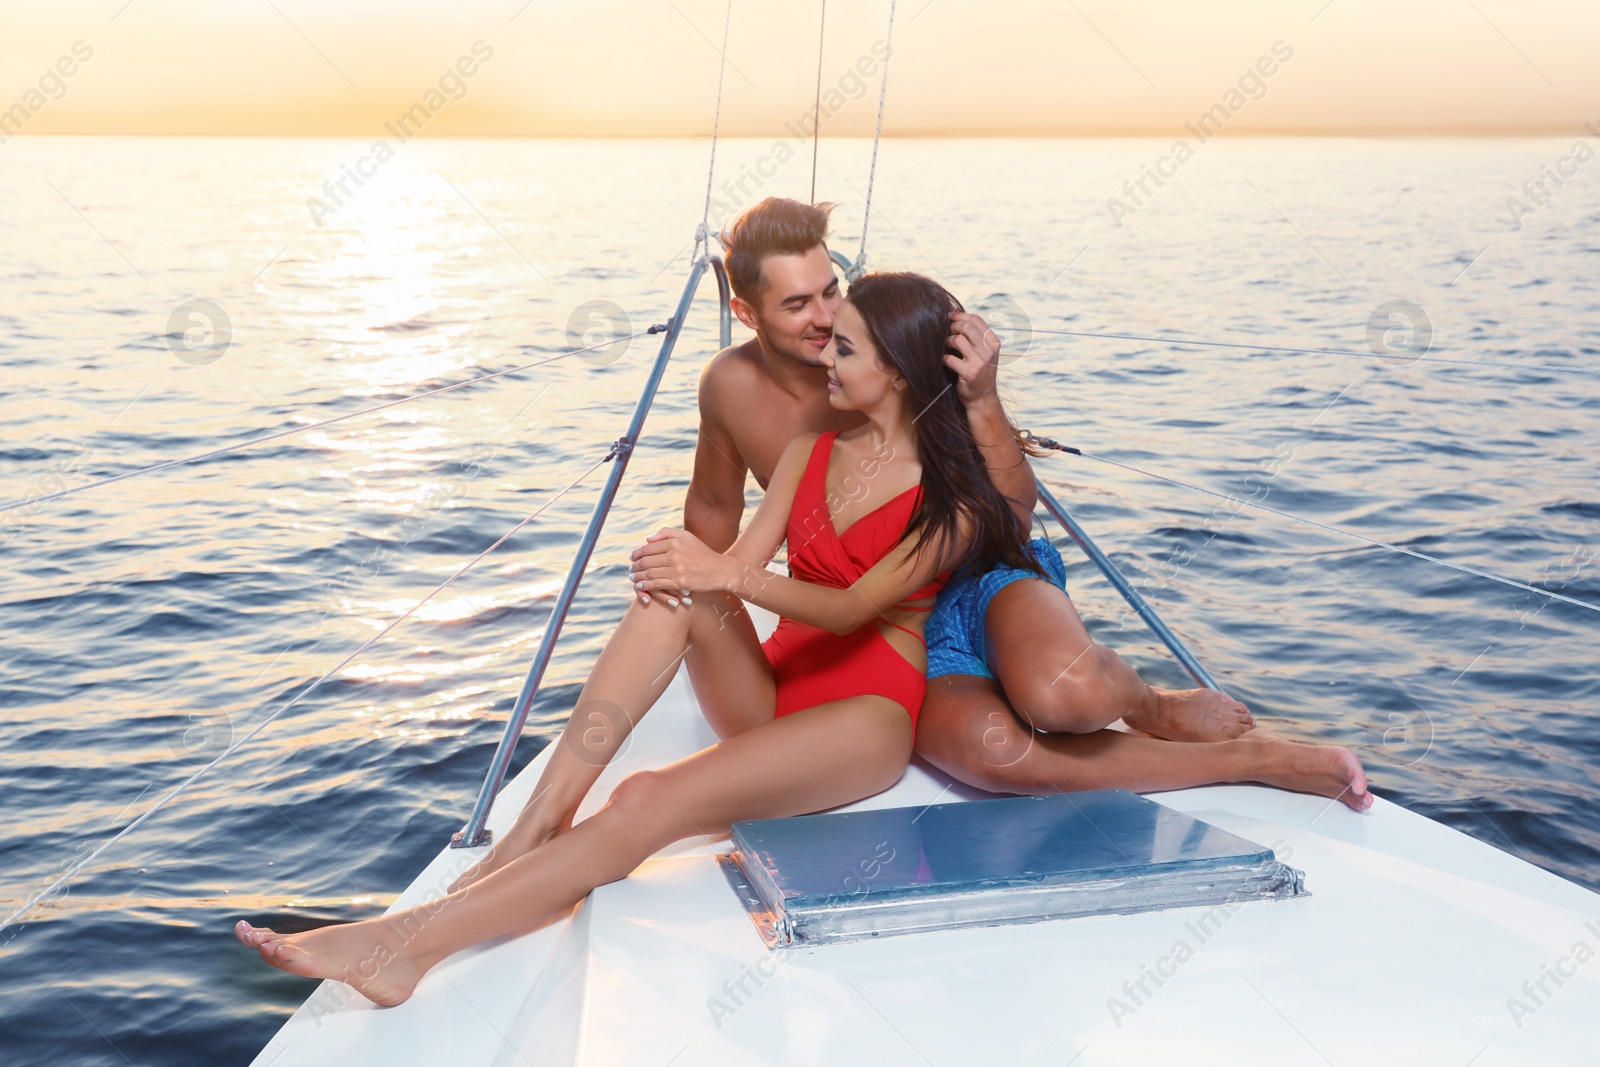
(357, 954)
(1192, 715)
(1326, 770)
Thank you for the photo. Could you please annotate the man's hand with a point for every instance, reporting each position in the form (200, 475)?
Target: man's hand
(978, 361)
(677, 564)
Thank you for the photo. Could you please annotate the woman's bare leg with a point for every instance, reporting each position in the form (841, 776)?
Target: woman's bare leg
(814, 759)
(1058, 679)
(968, 730)
(634, 669)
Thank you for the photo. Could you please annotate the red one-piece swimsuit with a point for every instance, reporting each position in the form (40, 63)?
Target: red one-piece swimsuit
(814, 666)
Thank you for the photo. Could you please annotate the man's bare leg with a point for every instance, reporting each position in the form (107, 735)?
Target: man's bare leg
(633, 670)
(968, 730)
(1058, 679)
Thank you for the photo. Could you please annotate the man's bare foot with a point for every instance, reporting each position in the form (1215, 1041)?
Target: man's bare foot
(1326, 770)
(357, 954)
(1192, 715)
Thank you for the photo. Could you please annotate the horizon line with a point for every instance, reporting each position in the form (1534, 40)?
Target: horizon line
(1338, 132)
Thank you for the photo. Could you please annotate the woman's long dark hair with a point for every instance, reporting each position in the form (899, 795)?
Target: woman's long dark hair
(908, 319)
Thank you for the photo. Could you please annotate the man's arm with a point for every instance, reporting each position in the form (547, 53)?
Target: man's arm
(715, 501)
(977, 366)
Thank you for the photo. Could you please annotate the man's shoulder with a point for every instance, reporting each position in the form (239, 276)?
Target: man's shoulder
(736, 367)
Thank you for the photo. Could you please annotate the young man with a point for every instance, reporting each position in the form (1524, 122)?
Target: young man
(1018, 694)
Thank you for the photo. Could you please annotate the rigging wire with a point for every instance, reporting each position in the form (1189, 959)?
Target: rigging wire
(816, 108)
(84, 861)
(314, 425)
(1400, 360)
(1046, 442)
(702, 235)
(877, 135)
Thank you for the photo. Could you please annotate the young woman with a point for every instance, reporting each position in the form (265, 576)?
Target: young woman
(820, 714)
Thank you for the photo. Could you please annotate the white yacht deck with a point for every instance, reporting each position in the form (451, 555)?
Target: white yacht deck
(1407, 951)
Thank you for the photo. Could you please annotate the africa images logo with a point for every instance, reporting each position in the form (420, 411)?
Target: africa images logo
(451, 86)
(1251, 86)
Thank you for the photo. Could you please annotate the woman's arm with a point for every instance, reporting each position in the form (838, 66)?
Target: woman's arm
(760, 540)
(674, 561)
(695, 566)
(893, 578)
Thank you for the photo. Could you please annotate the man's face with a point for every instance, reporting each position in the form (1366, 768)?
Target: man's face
(794, 313)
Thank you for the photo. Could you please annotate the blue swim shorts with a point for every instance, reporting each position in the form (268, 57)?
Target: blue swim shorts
(955, 630)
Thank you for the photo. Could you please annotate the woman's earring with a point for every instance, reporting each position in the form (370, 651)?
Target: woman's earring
(901, 384)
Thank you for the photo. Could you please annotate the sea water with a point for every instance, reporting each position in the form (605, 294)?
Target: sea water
(164, 297)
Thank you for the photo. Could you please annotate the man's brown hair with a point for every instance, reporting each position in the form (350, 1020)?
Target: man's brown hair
(775, 227)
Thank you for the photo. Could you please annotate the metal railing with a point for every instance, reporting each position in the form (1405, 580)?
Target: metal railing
(851, 272)
(1123, 586)
(725, 312)
(475, 833)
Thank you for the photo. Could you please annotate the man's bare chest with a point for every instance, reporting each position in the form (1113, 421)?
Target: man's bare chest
(762, 432)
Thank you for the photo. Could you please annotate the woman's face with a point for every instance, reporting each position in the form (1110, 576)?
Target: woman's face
(856, 380)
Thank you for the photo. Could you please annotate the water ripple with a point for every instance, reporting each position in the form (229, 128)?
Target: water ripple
(149, 623)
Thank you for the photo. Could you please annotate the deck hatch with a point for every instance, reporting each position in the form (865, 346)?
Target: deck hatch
(849, 876)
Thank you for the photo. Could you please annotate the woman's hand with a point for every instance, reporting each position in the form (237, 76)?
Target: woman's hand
(676, 564)
(977, 361)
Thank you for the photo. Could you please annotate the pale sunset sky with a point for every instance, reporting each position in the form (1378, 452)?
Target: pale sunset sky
(649, 67)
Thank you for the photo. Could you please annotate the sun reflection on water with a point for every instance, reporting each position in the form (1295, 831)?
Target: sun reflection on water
(374, 291)
(415, 672)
